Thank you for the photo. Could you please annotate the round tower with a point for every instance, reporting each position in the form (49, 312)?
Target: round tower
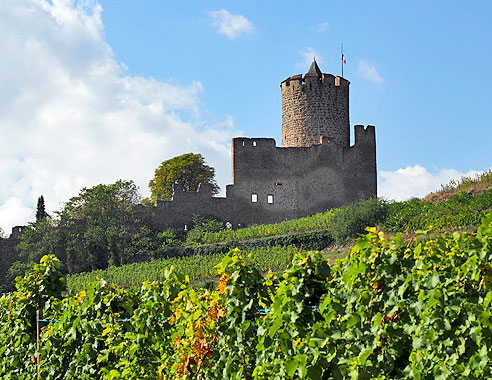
(315, 105)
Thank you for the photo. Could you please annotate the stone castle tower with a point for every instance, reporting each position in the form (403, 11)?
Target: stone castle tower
(314, 170)
(313, 106)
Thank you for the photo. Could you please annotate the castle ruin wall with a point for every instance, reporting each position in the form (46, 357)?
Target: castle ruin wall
(272, 184)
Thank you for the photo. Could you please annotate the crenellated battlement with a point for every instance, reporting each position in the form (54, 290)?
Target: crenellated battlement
(250, 143)
(365, 135)
(204, 191)
(314, 105)
(299, 81)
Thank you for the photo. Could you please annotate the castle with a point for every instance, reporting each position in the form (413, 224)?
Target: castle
(315, 169)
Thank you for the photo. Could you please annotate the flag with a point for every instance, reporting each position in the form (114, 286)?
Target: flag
(343, 59)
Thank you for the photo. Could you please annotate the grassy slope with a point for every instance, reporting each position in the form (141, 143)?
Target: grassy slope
(470, 185)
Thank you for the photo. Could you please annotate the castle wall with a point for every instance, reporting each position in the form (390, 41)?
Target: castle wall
(8, 255)
(179, 211)
(302, 180)
(299, 181)
(315, 106)
(316, 169)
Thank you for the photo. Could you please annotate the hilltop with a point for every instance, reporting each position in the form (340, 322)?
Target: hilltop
(106, 239)
(470, 185)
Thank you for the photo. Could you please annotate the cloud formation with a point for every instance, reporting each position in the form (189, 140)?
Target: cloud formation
(415, 181)
(71, 116)
(232, 25)
(323, 27)
(369, 71)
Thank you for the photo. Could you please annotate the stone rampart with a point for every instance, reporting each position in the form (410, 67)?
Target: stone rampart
(8, 255)
(271, 183)
(315, 169)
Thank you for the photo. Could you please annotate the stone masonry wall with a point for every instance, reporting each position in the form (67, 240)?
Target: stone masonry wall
(7, 250)
(301, 180)
(315, 106)
(298, 181)
(179, 211)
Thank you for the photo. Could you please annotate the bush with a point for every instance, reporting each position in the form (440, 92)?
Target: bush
(202, 226)
(351, 220)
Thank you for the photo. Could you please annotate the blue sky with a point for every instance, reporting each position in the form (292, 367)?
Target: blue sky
(93, 91)
(433, 58)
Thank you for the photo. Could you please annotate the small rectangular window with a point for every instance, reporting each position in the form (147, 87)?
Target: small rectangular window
(254, 198)
(270, 199)
(254, 143)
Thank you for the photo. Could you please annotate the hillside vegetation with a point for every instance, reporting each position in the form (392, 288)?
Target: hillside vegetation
(106, 227)
(204, 247)
(470, 185)
(393, 309)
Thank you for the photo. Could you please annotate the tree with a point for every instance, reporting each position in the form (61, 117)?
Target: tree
(40, 210)
(99, 224)
(188, 170)
(95, 228)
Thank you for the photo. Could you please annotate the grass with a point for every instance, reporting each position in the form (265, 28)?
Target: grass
(471, 185)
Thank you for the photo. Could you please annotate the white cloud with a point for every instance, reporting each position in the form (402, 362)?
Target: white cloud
(369, 71)
(308, 55)
(323, 27)
(232, 25)
(71, 116)
(415, 181)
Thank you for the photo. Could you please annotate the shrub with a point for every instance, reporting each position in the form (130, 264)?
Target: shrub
(351, 220)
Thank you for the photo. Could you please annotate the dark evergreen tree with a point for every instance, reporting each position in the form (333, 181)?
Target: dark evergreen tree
(40, 210)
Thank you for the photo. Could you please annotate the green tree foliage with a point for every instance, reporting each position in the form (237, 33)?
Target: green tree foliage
(39, 239)
(189, 170)
(96, 228)
(40, 210)
(99, 225)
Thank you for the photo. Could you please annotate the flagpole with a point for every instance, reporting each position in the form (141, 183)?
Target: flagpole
(342, 58)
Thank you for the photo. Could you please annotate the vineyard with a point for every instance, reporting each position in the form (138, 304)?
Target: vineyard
(393, 309)
(315, 222)
(199, 269)
(461, 210)
(457, 213)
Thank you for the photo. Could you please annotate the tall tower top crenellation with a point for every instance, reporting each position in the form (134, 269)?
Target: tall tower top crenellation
(314, 105)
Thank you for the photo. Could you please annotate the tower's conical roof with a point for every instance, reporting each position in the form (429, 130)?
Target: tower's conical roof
(314, 69)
